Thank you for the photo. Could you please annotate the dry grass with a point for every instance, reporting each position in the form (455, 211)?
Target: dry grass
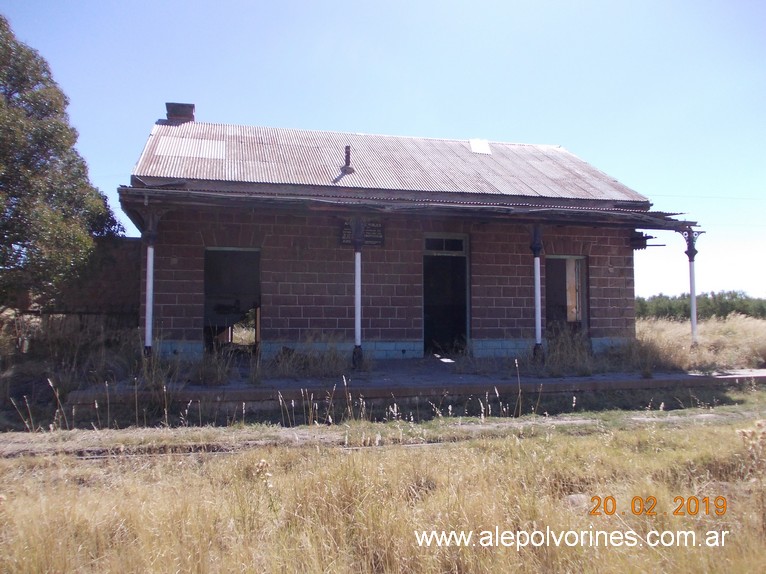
(349, 498)
(732, 342)
(661, 345)
(243, 335)
(317, 356)
(315, 508)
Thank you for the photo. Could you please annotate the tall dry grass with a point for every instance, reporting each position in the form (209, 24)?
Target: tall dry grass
(733, 342)
(661, 345)
(318, 355)
(319, 509)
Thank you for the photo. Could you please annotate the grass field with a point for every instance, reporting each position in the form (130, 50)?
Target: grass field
(316, 499)
(642, 490)
(736, 341)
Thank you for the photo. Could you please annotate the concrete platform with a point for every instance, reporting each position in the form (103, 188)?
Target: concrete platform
(415, 378)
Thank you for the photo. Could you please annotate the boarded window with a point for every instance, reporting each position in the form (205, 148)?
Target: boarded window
(566, 291)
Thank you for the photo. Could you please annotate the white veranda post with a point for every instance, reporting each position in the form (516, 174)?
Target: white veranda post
(149, 235)
(691, 235)
(537, 247)
(358, 298)
(357, 239)
(149, 302)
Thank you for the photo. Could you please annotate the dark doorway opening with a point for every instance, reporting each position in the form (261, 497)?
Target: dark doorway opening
(445, 298)
(565, 294)
(232, 296)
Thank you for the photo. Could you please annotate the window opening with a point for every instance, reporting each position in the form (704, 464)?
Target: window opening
(232, 297)
(566, 293)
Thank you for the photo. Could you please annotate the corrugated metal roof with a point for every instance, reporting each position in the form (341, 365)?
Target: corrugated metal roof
(262, 155)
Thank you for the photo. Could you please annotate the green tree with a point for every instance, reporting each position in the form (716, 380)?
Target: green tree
(50, 211)
(708, 305)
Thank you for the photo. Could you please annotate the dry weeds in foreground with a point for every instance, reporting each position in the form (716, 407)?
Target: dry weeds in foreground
(325, 509)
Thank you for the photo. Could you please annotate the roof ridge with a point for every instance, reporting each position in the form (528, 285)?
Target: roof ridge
(359, 134)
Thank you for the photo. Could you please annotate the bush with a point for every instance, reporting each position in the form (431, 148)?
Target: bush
(709, 305)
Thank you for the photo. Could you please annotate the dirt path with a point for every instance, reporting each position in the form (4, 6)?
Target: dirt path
(218, 440)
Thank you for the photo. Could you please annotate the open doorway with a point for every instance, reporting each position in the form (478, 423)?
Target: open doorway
(445, 294)
(566, 301)
(232, 297)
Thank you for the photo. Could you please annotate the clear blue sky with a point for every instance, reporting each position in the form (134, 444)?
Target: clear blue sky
(667, 97)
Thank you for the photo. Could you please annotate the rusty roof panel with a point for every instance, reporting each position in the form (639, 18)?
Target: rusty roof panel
(248, 154)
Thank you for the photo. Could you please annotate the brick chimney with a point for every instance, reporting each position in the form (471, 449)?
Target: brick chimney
(180, 113)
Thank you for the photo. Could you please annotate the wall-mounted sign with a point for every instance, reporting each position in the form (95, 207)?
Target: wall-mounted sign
(373, 233)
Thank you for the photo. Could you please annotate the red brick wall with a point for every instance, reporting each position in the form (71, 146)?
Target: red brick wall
(110, 284)
(307, 277)
(502, 295)
(610, 275)
(307, 282)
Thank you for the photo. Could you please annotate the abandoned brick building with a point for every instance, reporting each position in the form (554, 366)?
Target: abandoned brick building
(391, 245)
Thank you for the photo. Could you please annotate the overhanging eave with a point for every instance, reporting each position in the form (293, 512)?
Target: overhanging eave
(136, 200)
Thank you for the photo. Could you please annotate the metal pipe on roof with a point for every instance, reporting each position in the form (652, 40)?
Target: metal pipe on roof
(347, 169)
